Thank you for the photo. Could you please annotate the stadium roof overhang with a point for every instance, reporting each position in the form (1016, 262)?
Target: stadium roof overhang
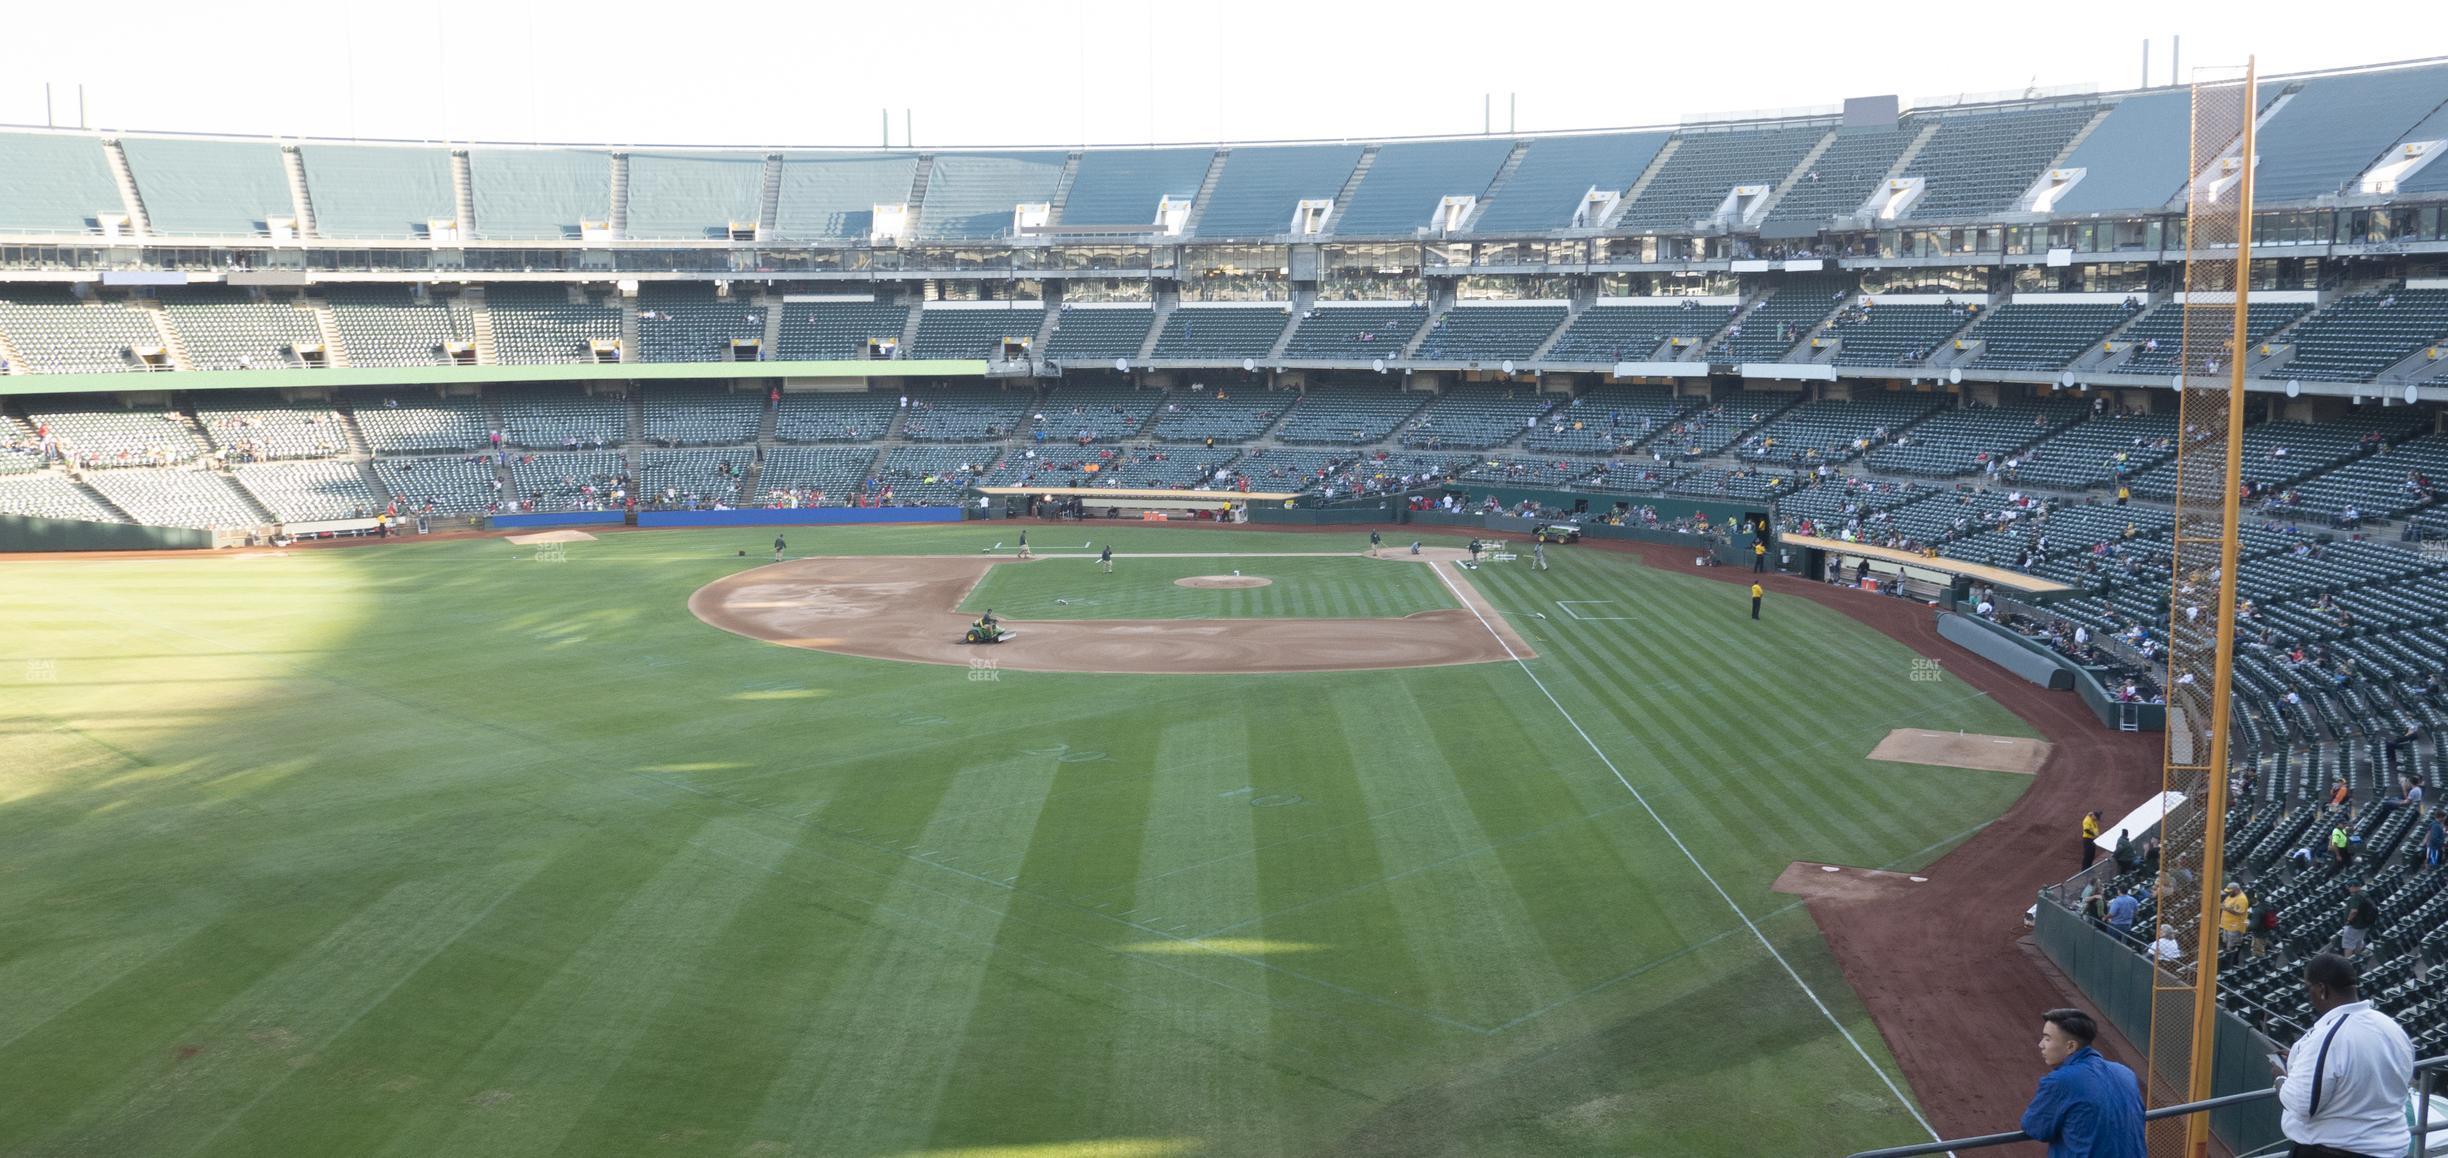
(333, 378)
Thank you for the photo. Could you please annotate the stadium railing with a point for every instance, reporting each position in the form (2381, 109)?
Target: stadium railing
(2426, 1076)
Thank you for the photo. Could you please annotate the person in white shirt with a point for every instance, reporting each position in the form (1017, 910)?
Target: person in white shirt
(2165, 948)
(2344, 1093)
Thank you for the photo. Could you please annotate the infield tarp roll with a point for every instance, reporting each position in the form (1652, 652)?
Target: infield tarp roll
(804, 516)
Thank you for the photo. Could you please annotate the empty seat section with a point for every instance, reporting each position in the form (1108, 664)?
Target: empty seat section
(301, 492)
(1556, 174)
(972, 195)
(2156, 340)
(2334, 127)
(202, 188)
(2042, 336)
(2135, 159)
(378, 192)
(1487, 333)
(963, 413)
(1607, 419)
(1964, 440)
(582, 481)
(813, 475)
(1381, 472)
(175, 498)
(1759, 482)
(1833, 431)
(416, 420)
(1407, 179)
(1259, 188)
(2380, 486)
(838, 330)
(1626, 333)
(1282, 469)
(683, 415)
(1708, 164)
(691, 323)
(1348, 415)
(1841, 180)
(261, 429)
(1122, 187)
(45, 495)
(440, 486)
(1718, 424)
(1526, 472)
(693, 478)
(925, 476)
(1094, 413)
(56, 334)
(692, 196)
(1981, 162)
(835, 415)
(563, 417)
(1100, 332)
(2100, 451)
(91, 437)
(2279, 453)
(538, 194)
(832, 196)
(1471, 416)
(981, 333)
(1893, 333)
(1055, 465)
(55, 184)
(1356, 333)
(2354, 339)
(539, 325)
(387, 326)
(229, 330)
(1783, 321)
(1218, 333)
(21, 449)
(1225, 413)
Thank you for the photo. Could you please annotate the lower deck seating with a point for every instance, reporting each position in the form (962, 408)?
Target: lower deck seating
(924, 476)
(836, 416)
(566, 418)
(1225, 414)
(2099, 451)
(48, 495)
(1348, 415)
(407, 421)
(683, 415)
(813, 475)
(176, 498)
(441, 486)
(264, 430)
(297, 492)
(964, 413)
(1607, 419)
(693, 478)
(1968, 439)
(1473, 417)
(580, 481)
(1092, 413)
(94, 438)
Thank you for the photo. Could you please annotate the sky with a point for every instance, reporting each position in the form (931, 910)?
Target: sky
(1072, 72)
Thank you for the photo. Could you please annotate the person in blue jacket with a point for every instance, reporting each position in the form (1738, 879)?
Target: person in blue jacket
(2087, 1106)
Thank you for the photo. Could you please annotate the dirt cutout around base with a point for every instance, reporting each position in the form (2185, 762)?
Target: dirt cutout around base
(1223, 581)
(550, 537)
(905, 608)
(1836, 882)
(1963, 750)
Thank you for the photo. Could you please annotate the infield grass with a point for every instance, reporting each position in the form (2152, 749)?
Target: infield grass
(1145, 588)
(452, 848)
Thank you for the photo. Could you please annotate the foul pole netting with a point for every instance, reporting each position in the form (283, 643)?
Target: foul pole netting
(2202, 602)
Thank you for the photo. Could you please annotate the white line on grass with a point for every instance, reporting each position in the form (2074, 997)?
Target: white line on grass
(1705, 875)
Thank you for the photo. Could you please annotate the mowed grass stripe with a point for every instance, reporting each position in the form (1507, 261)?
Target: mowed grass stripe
(867, 1075)
(1145, 588)
(518, 1094)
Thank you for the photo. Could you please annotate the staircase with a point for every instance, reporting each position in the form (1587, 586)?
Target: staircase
(637, 417)
(1911, 153)
(481, 321)
(1640, 185)
(358, 447)
(1351, 185)
(2075, 142)
(1571, 315)
(1045, 332)
(909, 331)
(1699, 351)
(373, 482)
(620, 195)
(10, 358)
(335, 355)
(101, 500)
(1206, 191)
(772, 342)
(1809, 161)
(463, 195)
(631, 351)
(138, 221)
(171, 340)
(1411, 348)
(1496, 184)
(1302, 302)
(1062, 188)
(262, 514)
(300, 200)
(1164, 312)
(769, 201)
(918, 190)
(766, 425)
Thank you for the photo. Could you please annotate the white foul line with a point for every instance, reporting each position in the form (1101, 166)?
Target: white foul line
(1722, 894)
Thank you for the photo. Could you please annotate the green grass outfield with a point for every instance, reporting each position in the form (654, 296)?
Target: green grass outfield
(1350, 586)
(449, 848)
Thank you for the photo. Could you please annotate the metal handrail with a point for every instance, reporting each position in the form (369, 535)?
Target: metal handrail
(2426, 1072)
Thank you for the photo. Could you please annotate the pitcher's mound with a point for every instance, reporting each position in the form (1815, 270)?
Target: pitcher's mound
(1963, 750)
(551, 537)
(1223, 581)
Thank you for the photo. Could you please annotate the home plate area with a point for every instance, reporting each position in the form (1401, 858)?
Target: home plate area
(1963, 750)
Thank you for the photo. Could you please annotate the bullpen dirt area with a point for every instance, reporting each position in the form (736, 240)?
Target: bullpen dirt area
(1962, 750)
(904, 608)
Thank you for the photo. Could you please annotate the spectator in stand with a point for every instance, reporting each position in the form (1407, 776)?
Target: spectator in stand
(2361, 915)
(2086, 1105)
(2235, 917)
(2344, 1088)
(2121, 910)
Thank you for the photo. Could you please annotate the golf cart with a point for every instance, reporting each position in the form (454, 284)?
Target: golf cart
(1557, 532)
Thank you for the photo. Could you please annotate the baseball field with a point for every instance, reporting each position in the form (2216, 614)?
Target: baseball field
(471, 847)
